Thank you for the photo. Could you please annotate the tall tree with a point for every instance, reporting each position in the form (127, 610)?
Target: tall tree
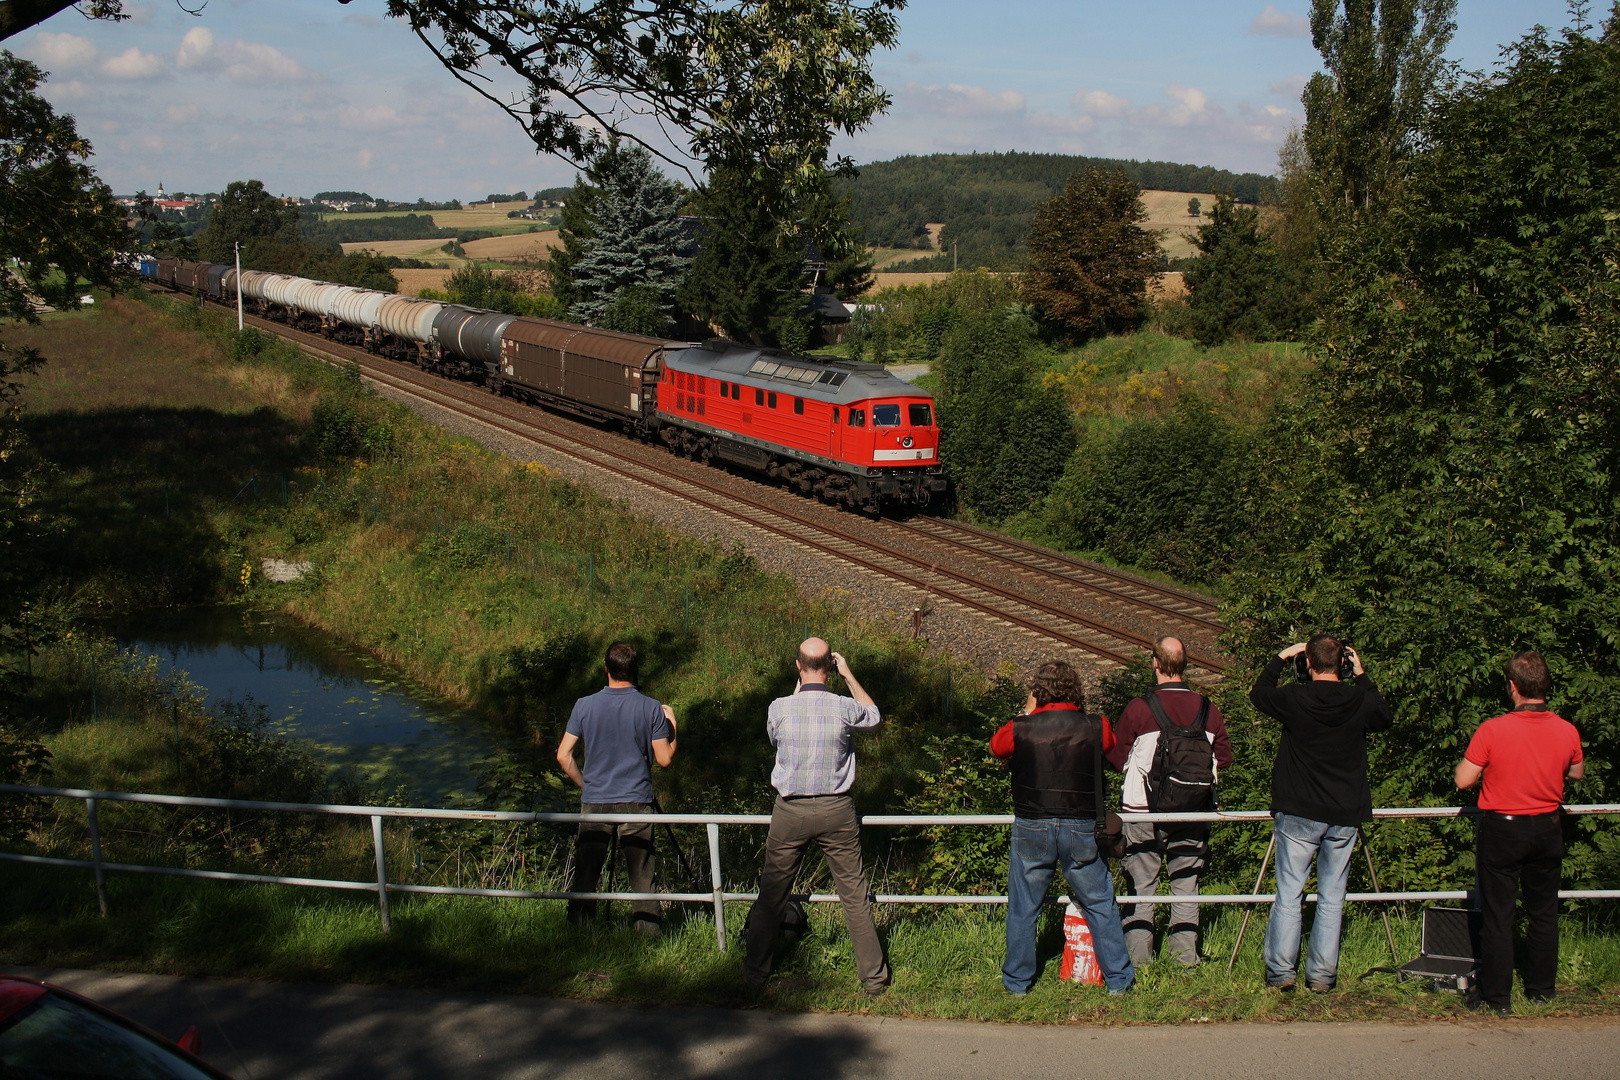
(59, 229)
(749, 273)
(1385, 61)
(1238, 285)
(1453, 477)
(1090, 260)
(245, 213)
(635, 237)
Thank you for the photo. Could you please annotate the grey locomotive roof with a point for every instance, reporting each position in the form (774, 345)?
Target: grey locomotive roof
(825, 378)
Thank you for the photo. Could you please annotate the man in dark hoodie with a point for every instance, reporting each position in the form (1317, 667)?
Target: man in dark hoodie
(1319, 797)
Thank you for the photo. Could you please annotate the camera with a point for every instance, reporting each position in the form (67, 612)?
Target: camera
(1302, 667)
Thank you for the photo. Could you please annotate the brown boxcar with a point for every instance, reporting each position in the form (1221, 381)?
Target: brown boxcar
(600, 373)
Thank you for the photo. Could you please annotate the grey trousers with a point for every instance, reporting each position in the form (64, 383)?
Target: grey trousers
(1147, 847)
(830, 821)
(591, 852)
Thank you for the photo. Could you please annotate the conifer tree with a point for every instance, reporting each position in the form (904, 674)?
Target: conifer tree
(636, 238)
(1238, 286)
(1090, 259)
(748, 276)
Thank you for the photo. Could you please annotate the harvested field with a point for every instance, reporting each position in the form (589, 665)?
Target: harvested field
(412, 282)
(1168, 285)
(1167, 212)
(485, 216)
(885, 281)
(405, 249)
(521, 246)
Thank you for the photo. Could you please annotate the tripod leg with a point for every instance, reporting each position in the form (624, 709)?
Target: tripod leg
(1249, 909)
(612, 864)
(1372, 871)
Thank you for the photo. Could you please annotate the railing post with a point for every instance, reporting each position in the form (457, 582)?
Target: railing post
(719, 889)
(95, 855)
(382, 872)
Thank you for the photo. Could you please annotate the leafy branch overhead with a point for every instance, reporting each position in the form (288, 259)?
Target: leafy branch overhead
(760, 83)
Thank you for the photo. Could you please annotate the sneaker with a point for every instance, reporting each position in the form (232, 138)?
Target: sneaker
(875, 991)
(1283, 987)
(1319, 987)
(1121, 992)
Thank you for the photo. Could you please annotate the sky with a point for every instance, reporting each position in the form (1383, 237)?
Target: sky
(313, 95)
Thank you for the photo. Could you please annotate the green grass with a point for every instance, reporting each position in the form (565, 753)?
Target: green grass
(946, 964)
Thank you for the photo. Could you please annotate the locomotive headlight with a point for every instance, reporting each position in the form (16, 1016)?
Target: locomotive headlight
(906, 442)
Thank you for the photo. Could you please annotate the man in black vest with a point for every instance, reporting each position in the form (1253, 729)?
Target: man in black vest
(1056, 752)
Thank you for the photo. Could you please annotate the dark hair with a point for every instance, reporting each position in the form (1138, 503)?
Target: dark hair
(1172, 658)
(622, 662)
(1056, 681)
(822, 663)
(1528, 671)
(1324, 653)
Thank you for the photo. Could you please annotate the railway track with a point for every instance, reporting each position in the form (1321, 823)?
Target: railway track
(1041, 604)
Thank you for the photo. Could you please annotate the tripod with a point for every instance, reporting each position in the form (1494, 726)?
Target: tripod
(1260, 880)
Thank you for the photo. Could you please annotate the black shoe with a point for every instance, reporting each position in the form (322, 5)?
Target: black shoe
(1541, 999)
(875, 991)
(1473, 1001)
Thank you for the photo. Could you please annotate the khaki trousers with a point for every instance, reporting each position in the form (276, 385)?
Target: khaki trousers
(590, 855)
(830, 821)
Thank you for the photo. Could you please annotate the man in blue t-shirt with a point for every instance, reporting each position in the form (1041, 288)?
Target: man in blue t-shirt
(624, 732)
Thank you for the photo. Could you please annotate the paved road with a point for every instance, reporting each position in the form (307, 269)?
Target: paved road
(292, 1032)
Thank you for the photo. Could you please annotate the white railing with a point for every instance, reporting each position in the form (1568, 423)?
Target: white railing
(718, 896)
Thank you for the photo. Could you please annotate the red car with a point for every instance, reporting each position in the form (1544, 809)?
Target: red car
(48, 1033)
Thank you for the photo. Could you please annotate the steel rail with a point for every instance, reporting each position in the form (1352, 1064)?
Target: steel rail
(437, 392)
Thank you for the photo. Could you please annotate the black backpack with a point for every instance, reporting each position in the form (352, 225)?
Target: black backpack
(1182, 777)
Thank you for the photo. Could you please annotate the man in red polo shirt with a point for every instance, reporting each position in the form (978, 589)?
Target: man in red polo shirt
(1524, 757)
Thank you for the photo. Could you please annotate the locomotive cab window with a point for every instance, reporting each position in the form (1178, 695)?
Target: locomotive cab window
(857, 418)
(798, 405)
(835, 416)
(920, 415)
(885, 416)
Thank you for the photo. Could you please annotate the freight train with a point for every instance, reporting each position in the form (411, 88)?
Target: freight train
(847, 432)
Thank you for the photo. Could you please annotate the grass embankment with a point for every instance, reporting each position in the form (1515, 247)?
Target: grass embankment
(408, 529)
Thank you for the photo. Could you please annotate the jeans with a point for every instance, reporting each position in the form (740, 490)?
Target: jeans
(1300, 841)
(1039, 848)
(1518, 853)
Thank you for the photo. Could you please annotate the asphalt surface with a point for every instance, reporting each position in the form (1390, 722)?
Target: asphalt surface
(269, 1031)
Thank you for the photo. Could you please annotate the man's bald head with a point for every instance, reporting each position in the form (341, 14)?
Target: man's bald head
(815, 657)
(1171, 655)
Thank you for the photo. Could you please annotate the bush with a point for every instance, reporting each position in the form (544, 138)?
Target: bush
(247, 343)
(1004, 434)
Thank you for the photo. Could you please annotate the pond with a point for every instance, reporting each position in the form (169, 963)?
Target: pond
(349, 708)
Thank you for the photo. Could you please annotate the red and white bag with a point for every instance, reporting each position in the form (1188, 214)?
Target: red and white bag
(1079, 957)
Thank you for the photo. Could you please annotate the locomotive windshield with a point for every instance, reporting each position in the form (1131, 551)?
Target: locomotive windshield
(921, 415)
(885, 416)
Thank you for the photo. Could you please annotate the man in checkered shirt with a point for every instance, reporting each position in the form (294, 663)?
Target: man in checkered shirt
(813, 732)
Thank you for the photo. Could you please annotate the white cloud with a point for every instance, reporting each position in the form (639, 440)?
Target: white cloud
(181, 114)
(1280, 23)
(197, 51)
(1101, 104)
(363, 159)
(370, 118)
(132, 64)
(1291, 87)
(255, 62)
(1193, 107)
(961, 100)
(63, 52)
(1276, 110)
(250, 62)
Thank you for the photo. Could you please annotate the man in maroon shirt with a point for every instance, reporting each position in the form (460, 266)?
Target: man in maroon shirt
(1524, 757)
(1148, 846)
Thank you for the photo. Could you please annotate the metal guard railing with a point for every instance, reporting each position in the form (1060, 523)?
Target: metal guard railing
(712, 822)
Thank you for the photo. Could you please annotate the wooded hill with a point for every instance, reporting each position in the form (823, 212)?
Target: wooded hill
(986, 200)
